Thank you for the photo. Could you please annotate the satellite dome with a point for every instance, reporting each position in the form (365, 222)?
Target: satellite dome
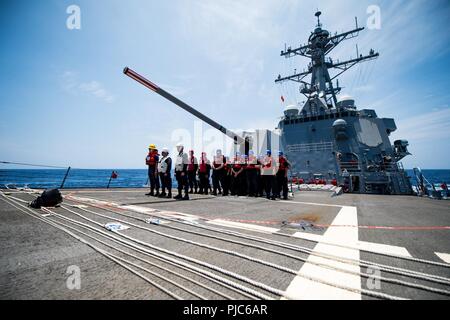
(340, 128)
(345, 98)
(291, 111)
(346, 101)
(339, 123)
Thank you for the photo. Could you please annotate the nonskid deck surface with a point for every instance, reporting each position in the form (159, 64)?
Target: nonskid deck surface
(231, 240)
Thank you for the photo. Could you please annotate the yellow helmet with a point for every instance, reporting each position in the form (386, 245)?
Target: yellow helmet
(152, 146)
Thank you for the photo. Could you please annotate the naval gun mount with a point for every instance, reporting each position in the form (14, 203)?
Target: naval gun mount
(258, 140)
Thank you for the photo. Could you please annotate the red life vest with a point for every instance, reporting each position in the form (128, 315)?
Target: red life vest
(151, 158)
(252, 162)
(268, 162)
(191, 166)
(217, 164)
(283, 164)
(203, 167)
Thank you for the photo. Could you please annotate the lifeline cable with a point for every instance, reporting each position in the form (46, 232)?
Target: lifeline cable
(150, 263)
(101, 251)
(136, 257)
(391, 280)
(363, 291)
(160, 259)
(107, 217)
(173, 261)
(224, 282)
(391, 269)
(424, 261)
(205, 264)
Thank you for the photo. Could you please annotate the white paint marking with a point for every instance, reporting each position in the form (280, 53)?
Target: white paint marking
(361, 245)
(245, 226)
(101, 191)
(80, 206)
(313, 204)
(304, 289)
(444, 256)
(138, 209)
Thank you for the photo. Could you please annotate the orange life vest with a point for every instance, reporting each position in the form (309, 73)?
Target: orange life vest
(151, 158)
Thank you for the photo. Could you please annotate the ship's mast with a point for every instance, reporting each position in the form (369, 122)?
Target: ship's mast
(320, 44)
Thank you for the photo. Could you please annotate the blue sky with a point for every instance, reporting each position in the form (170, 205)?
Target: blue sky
(64, 99)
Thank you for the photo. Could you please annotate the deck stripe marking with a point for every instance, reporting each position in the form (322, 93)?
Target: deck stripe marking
(304, 289)
(362, 245)
(246, 226)
(312, 203)
(444, 256)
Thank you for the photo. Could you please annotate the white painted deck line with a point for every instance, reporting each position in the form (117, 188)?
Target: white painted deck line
(443, 256)
(138, 209)
(304, 289)
(312, 203)
(239, 225)
(361, 245)
(100, 191)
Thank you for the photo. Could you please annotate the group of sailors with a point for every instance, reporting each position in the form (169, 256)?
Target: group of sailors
(243, 175)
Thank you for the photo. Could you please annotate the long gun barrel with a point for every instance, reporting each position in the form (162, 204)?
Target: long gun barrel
(147, 83)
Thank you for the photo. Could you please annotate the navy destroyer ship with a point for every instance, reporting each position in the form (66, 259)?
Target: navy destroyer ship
(120, 244)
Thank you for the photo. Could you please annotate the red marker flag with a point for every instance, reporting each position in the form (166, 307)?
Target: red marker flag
(114, 175)
(282, 98)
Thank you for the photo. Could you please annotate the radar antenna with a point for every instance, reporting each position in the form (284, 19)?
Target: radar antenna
(320, 44)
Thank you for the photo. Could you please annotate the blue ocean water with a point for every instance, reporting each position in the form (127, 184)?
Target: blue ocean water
(77, 178)
(127, 178)
(433, 176)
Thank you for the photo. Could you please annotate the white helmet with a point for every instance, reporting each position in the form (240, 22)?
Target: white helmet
(180, 147)
(165, 150)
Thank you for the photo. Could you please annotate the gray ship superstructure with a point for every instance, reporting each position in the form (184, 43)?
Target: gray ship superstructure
(329, 138)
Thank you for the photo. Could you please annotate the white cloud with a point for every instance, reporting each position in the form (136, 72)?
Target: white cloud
(432, 126)
(71, 84)
(364, 88)
(234, 35)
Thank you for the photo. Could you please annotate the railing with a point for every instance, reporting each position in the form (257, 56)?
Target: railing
(310, 147)
(386, 167)
(392, 167)
(19, 175)
(350, 166)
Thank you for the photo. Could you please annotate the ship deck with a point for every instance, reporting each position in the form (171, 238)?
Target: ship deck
(243, 247)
